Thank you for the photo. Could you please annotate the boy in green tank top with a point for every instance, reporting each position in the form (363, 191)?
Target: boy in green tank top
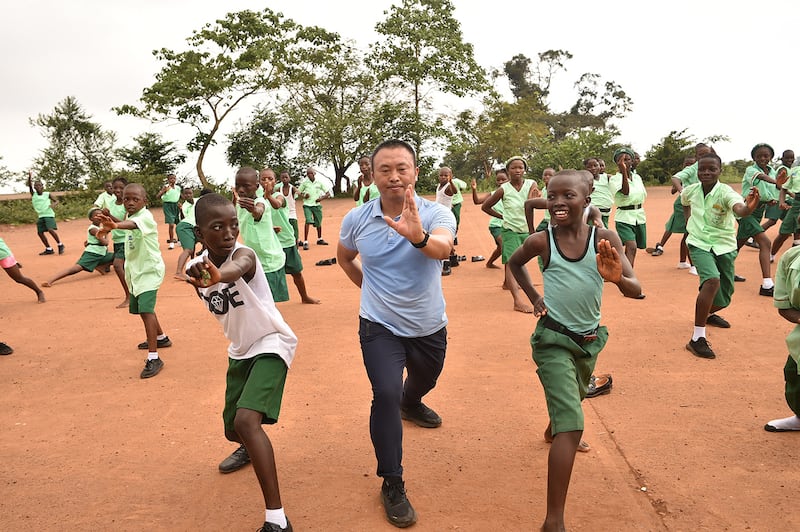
(568, 336)
(46, 223)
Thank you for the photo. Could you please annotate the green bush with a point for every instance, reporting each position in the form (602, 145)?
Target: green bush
(70, 207)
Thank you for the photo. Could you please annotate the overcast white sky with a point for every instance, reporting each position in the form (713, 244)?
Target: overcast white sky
(712, 67)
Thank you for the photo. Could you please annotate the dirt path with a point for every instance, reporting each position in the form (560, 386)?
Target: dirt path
(677, 445)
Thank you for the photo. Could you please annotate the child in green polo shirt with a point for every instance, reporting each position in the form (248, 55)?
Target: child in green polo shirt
(185, 231)
(629, 194)
(788, 180)
(709, 207)
(144, 270)
(46, 223)
(170, 194)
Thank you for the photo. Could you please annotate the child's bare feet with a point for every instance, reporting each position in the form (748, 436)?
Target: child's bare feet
(524, 308)
(311, 300)
(180, 277)
(40, 295)
(47, 284)
(491, 265)
(125, 303)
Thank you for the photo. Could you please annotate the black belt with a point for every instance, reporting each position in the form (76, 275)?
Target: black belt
(580, 339)
(630, 207)
(604, 210)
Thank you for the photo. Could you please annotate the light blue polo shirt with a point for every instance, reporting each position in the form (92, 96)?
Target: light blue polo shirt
(401, 288)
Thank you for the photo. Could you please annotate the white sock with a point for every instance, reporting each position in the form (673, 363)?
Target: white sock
(796, 243)
(767, 283)
(771, 257)
(152, 355)
(276, 516)
(787, 423)
(161, 336)
(699, 332)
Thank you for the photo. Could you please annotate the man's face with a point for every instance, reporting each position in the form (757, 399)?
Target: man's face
(394, 170)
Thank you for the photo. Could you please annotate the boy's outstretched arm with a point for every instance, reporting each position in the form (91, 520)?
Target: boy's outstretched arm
(750, 204)
(205, 273)
(613, 265)
(534, 245)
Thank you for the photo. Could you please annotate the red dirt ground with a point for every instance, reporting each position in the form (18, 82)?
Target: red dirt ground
(678, 445)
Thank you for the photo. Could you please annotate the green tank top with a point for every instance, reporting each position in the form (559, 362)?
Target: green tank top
(573, 288)
(514, 206)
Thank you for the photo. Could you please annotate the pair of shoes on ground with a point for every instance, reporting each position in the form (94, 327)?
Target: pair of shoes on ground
(48, 251)
(477, 258)
(421, 415)
(152, 367)
(272, 527)
(717, 321)
(787, 424)
(237, 460)
(399, 511)
(5, 349)
(599, 385)
(700, 348)
(163, 342)
(769, 292)
(326, 262)
(656, 251)
(305, 246)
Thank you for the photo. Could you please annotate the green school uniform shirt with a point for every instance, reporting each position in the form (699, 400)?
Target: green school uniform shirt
(688, 175)
(497, 222)
(373, 193)
(118, 212)
(172, 195)
(41, 204)
(768, 191)
(460, 185)
(314, 189)
(514, 206)
(188, 212)
(546, 216)
(94, 243)
(260, 235)
(793, 181)
(601, 195)
(712, 224)
(104, 200)
(280, 217)
(636, 196)
(144, 267)
(787, 295)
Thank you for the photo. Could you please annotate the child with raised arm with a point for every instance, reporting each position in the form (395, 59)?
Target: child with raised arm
(495, 224)
(629, 194)
(576, 260)
(94, 254)
(170, 193)
(601, 194)
(787, 179)
(709, 207)
(116, 211)
(231, 283)
(12, 268)
(144, 271)
(46, 223)
(287, 191)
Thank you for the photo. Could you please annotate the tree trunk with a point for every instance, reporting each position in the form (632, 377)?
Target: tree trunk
(199, 166)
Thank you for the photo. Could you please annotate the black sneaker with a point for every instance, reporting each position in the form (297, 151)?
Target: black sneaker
(61, 249)
(5, 349)
(738, 279)
(766, 291)
(658, 250)
(321, 242)
(718, 321)
(305, 246)
(599, 386)
(700, 348)
(272, 527)
(151, 368)
(48, 251)
(237, 460)
(453, 261)
(164, 342)
(446, 269)
(399, 511)
(421, 415)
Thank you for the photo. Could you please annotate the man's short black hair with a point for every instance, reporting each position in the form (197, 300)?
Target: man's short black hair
(393, 143)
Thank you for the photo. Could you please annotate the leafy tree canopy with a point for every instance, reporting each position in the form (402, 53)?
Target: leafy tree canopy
(151, 154)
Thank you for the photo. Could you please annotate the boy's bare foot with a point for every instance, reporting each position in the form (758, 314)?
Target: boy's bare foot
(583, 447)
(41, 297)
(505, 286)
(492, 266)
(311, 300)
(525, 309)
(125, 303)
(46, 285)
(180, 277)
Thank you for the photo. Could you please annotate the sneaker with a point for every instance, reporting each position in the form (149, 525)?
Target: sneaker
(446, 269)
(164, 342)
(152, 368)
(272, 527)
(421, 415)
(321, 242)
(171, 245)
(718, 321)
(399, 511)
(305, 246)
(48, 251)
(61, 249)
(5, 349)
(738, 279)
(766, 291)
(658, 251)
(700, 348)
(692, 270)
(299, 243)
(751, 244)
(453, 261)
(684, 265)
(237, 460)
(599, 385)
(455, 241)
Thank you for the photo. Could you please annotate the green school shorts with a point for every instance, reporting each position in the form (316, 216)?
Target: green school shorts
(542, 226)
(185, 233)
(564, 369)
(256, 384)
(749, 226)
(144, 303)
(90, 261)
(792, 385)
(632, 233)
(456, 209)
(171, 210)
(119, 250)
(277, 284)
(294, 264)
(676, 222)
(511, 241)
(710, 266)
(789, 224)
(295, 227)
(45, 223)
(774, 212)
(313, 214)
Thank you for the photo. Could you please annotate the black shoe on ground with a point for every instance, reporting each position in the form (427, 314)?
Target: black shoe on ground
(237, 460)
(5, 349)
(718, 321)
(272, 527)
(321, 242)
(399, 511)
(151, 368)
(751, 244)
(164, 342)
(305, 246)
(599, 386)
(446, 269)
(700, 348)
(48, 251)
(738, 279)
(61, 249)
(766, 291)
(453, 261)
(421, 415)
(658, 250)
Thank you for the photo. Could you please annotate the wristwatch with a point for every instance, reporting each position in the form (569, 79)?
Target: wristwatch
(424, 241)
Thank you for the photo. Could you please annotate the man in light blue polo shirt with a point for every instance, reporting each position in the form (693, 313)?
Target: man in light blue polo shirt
(393, 250)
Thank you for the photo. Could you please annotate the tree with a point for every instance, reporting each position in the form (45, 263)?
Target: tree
(269, 139)
(533, 85)
(79, 151)
(151, 155)
(423, 48)
(665, 158)
(228, 61)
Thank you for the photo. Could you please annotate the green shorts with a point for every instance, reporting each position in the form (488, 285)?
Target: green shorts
(294, 264)
(45, 223)
(5, 251)
(185, 233)
(792, 385)
(171, 211)
(564, 369)
(456, 209)
(676, 222)
(313, 214)
(277, 284)
(789, 225)
(144, 303)
(774, 212)
(256, 384)
(90, 261)
(511, 241)
(496, 231)
(632, 233)
(711, 266)
(119, 250)
(749, 226)
(293, 223)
